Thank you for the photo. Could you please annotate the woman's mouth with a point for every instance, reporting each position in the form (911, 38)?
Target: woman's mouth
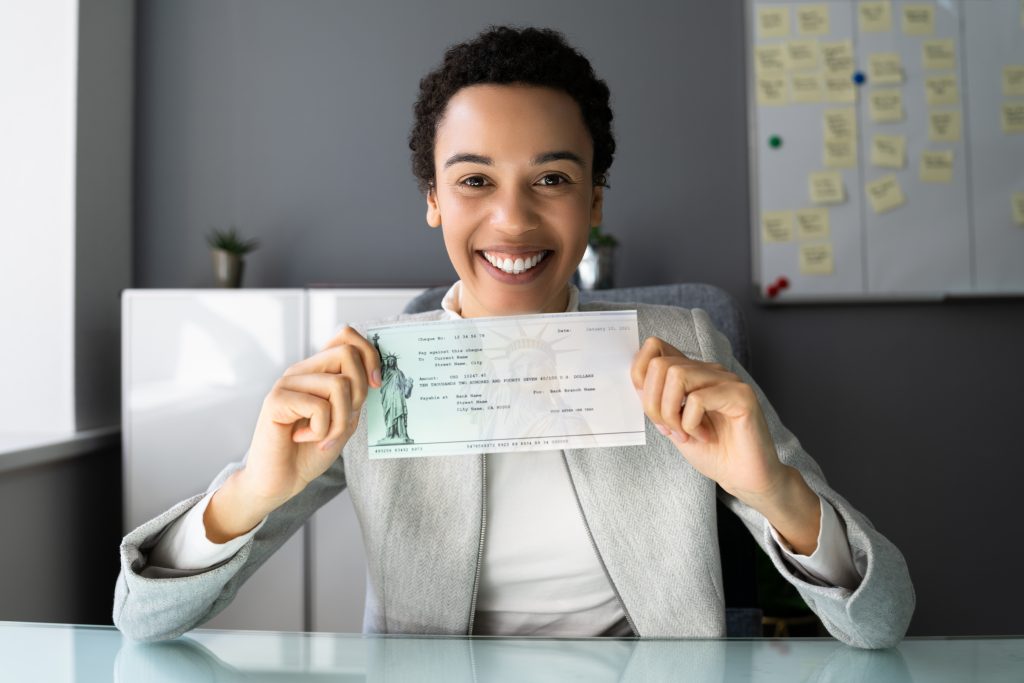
(515, 268)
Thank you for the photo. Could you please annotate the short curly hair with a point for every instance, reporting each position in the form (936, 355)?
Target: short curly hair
(504, 54)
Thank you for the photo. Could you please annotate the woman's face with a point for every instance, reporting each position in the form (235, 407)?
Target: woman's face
(513, 188)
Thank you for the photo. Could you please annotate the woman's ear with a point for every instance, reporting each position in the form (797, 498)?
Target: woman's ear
(433, 209)
(597, 206)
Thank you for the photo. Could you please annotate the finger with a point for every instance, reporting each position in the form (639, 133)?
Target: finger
(371, 359)
(732, 399)
(286, 407)
(345, 359)
(337, 390)
(682, 376)
(653, 347)
(653, 386)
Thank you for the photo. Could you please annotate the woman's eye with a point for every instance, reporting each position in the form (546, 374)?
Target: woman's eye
(474, 181)
(552, 180)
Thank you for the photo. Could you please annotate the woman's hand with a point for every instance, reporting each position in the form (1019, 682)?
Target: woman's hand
(307, 417)
(714, 419)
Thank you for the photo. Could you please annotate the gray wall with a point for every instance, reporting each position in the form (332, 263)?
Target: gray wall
(289, 119)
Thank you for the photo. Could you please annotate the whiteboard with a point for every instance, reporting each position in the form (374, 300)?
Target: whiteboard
(914, 111)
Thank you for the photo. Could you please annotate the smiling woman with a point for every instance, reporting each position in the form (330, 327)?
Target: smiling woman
(511, 146)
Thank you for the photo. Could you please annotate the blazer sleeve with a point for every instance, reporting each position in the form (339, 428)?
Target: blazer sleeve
(876, 613)
(151, 609)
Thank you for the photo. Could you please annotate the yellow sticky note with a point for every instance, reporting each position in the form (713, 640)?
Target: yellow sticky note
(839, 88)
(1013, 117)
(777, 226)
(1013, 80)
(816, 259)
(938, 54)
(839, 153)
(826, 187)
(944, 125)
(918, 20)
(805, 88)
(886, 106)
(812, 20)
(773, 22)
(812, 224)
(885, 68)
(884, 194)
(838, 56)
(802, 55)
(1018, 207)
(941, 89)
(771, 90)
(839, 124)
(888, 151)
(937, 166)
(769, 59)
(874, 17)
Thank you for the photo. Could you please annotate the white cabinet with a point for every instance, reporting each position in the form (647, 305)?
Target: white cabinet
(196, 365)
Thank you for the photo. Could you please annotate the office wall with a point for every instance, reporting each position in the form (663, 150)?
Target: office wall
(289, 120)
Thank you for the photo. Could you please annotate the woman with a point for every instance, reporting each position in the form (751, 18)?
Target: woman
(511, 145)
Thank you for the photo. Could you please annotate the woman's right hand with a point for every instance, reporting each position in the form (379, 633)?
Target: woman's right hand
(308, 416)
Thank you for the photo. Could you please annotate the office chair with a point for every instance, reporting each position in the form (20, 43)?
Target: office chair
(738, 550)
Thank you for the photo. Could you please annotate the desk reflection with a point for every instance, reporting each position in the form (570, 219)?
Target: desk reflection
(496, 660)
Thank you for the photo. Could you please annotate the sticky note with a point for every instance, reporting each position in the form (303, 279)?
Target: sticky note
(889, 151)
(839, 88)
(769, 59)
(1013, 80)
(1018, 207)
(826, 187)
(812, 20)
(777, 226)
(918, 20)
(885, 68)
(771, 90)
(839, 153)
(816, 259)
(938, 54)
(884, 194)
(839, 124)
(812, 224)
(941, 89)
(1013, 117)
(937, 166)
(944, 125)
(805, 88)
(773, 22)
(802, 55)
(838, 56)
(874, 17)
(886, 106)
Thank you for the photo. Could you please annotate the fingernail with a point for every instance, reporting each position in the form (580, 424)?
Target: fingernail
(664, 432)
(680, 436)
(376, 377)
(329, 445)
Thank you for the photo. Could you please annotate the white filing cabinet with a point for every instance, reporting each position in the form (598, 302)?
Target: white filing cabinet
(196, 365)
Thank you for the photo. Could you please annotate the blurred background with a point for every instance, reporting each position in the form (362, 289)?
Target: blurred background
(289, 119)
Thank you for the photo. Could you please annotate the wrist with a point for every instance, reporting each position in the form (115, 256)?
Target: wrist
(794, 510)
(232, 511)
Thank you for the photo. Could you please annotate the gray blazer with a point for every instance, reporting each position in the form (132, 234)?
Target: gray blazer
(651, 515)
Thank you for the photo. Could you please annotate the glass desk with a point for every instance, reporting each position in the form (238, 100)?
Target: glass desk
(90, 654)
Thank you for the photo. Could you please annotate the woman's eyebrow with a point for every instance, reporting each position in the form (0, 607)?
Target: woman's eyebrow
(561, 155)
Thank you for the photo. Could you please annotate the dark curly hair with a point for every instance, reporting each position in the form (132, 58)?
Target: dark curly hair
(503, 54)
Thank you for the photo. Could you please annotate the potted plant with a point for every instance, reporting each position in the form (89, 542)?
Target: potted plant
(228, 250)
(596, 270)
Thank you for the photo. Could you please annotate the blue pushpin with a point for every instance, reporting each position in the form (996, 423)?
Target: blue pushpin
(859, 78)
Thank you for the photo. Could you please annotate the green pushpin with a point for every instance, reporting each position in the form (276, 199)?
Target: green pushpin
(775, 142)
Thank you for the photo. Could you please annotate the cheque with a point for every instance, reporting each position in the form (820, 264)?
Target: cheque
(511, 383)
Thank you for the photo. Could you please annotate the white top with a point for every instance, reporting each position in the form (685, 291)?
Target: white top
(540, 574)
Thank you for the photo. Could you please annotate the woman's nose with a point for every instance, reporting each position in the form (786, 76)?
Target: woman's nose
(514, 211)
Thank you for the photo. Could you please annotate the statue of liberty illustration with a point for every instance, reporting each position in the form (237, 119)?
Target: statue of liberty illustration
(395, 388)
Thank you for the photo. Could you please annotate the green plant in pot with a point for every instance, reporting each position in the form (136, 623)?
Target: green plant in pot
(596, 269)
(228, 250)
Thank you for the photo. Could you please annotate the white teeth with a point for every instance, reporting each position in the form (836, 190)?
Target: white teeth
(516, 266)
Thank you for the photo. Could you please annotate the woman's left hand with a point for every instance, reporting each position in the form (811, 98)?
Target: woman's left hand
(713, 418)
